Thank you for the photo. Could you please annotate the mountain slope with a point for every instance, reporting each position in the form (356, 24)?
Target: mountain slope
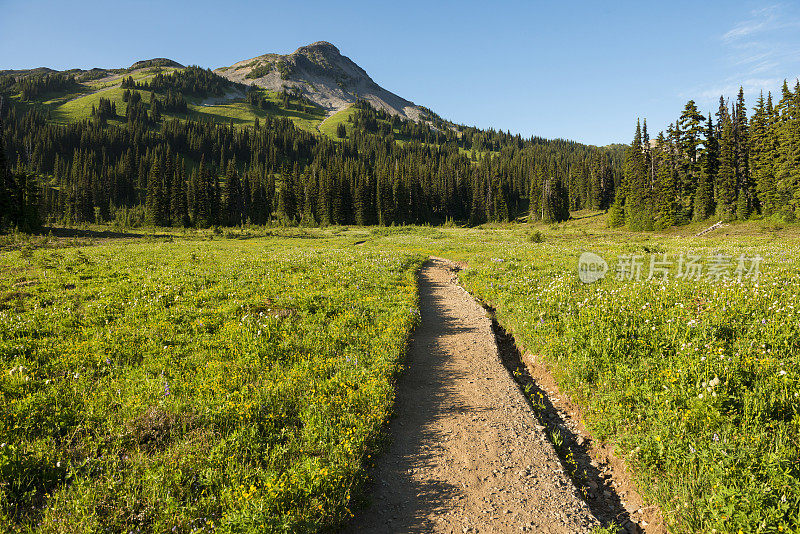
(324, 76)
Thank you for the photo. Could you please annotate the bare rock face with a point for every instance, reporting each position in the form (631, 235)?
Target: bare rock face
(323, 75)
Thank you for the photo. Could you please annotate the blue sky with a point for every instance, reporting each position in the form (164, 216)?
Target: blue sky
(577, 70)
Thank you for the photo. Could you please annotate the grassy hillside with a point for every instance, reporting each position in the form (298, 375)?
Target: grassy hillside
(329, 125)
(77, 105)
(234, 107)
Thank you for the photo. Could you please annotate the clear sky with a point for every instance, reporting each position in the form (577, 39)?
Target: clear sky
(577, 70)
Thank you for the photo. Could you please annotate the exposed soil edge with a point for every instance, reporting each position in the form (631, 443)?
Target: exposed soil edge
(600, 476)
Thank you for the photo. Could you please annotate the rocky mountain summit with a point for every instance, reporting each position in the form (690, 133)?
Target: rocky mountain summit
(323, 75)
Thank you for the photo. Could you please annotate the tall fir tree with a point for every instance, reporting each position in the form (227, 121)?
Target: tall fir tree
(762, 158)
(5, 186)
(725, 185)
(178, 196)
(233, 195)
(745, 191)
(155, 195)
(704, 197)
(638, 214)
(787, 133)
(666, 203)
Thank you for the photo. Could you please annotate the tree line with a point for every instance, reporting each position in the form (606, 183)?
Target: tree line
(35, 85)
(200, 173)
(192, 80)
(725, 165)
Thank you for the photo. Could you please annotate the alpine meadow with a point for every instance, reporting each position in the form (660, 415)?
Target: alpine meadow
(275, 296)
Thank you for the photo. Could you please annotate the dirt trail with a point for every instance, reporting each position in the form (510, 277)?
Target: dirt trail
(466, 453)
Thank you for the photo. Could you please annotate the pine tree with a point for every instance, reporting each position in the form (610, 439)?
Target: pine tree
(725, 186)
(479, 195)
(704, 197)
(744, 187)
(794, 132)
(666, 187)
(233, 195)
(178, 208)
(555, 201)
(361, 201)
(761, 158)
(5, 185)
(215, 204)
(282, 203)
(787, 134)
(165, 200)
(154, 195)
(690, 126)
(202, 196)
(638, 215)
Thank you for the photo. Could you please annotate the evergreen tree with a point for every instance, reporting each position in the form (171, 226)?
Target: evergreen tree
(666, 207)
(555, 204)
(704, 197)
(787, 133)
(745, 191)
(233, 196)
(5, 185)
(155, 195)
(94, 171)
(178, 197)
(690, 126)
(203, 196)
(761, 157)
(725, 186)
(480, 193)
(638, 215)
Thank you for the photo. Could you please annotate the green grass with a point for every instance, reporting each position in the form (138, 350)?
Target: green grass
(194, 385)
(695, 382)
(636, 355)
(329, 125)
(80, 108)
(76, 106)
(240, 113)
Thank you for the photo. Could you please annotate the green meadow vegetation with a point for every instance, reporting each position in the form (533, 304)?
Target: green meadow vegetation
(76, 104)
(240, 384)
(695, 382)
(195, 385)
(229, 365)
(329, 126)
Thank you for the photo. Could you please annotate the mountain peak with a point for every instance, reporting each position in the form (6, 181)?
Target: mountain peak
(320, 45)
(322, 74)
(155, 62)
